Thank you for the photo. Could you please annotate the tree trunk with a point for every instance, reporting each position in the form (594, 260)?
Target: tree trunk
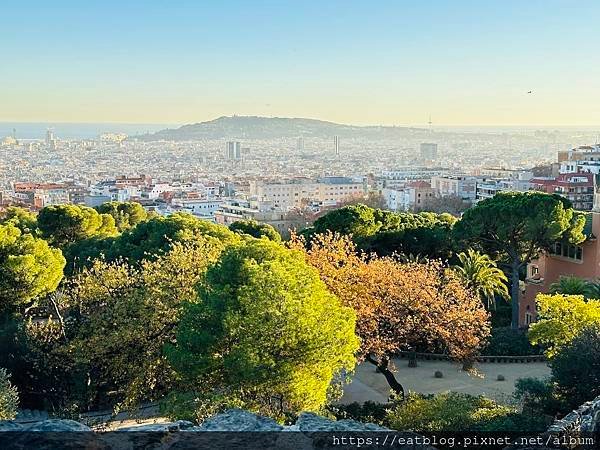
(383, 367)
(514, 294)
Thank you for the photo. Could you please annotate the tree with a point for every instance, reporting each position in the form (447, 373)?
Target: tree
(576, 367)
(483, 277)
(357, 220)
(147, 240)
(126, 214)
(62, 225)
(29, 268)
(516, 227)
(255, 229)
(560, 319)
(21, 218)
(264, 333)
(119, 316)
(399, 306)
(9, 397)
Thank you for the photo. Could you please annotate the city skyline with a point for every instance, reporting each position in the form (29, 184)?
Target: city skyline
(463, 63)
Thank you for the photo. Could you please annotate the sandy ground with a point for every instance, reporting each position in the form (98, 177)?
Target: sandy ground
(369, 385)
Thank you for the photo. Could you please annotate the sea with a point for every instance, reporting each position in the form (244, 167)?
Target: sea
(63, 130)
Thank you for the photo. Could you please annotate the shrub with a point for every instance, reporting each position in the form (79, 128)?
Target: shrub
(509, 342)
(370, 412)
(9, 397)
(576, 368)
(452, 412)
(538, 396)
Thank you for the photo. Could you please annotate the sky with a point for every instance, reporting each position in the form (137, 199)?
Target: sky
(360, 62)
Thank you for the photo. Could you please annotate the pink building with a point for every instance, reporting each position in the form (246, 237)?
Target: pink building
(582, 261)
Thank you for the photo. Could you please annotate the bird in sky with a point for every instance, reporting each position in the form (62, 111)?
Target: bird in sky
(529, 92)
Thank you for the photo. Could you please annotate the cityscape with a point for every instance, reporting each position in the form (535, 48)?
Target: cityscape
(283, 225)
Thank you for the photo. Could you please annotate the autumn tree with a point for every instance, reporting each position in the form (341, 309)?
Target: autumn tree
(264, 333)
(29, 268)
(516, 227)
(399, 306)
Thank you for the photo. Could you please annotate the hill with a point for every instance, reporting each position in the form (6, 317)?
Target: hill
(254, 127)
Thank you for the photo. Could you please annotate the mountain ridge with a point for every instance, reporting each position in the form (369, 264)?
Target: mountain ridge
(261, 127)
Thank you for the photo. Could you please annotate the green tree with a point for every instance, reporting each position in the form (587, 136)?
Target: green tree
(24, 220)
(560, 319)
(255, 229)
(9, 397)
(126, 214)
(516, 227)
(29, 268)
(358, 220)
(62, 225)
(576, 367)
(482, 276)
(265, 333)
(119, 316)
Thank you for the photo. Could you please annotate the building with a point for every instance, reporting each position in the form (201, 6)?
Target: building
(399, 177)
(395, 199)
(300, 144)
(582, 261)
(297, 192)
(429, 151)
(580, 159)
(577, 187)
(201, 208)
(462, 186)
(336, 145)
(260, 211)
(233, 151)
(419, 194)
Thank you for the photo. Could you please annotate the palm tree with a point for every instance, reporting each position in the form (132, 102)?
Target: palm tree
(483, 276)
(570, 285)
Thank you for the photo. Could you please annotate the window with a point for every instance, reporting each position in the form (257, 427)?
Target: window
(565, 250)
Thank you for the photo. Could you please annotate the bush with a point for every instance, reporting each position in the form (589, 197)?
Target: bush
(452, 412)
(538, 396)
(509, 342)
(9, 397)
(576, 368)
(368, 412)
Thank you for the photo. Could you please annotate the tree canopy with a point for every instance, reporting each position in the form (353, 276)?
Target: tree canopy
(516, 227)
(29, 267)
(399, 306)
(265, 332)
(561, 318)
(255, 229)
(126, 214)
(65, 224)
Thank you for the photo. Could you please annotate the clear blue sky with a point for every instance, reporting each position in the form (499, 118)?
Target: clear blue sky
(389, 62)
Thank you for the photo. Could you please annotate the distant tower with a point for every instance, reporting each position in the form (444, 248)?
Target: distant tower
(429, 151)
(233, 150)
(430, 123)
(336, 145)
(300, 144)
(49, 136)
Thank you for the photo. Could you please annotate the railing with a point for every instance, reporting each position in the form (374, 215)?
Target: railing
(480, 358)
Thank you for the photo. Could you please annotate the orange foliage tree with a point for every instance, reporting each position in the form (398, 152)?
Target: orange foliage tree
(399, 306)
